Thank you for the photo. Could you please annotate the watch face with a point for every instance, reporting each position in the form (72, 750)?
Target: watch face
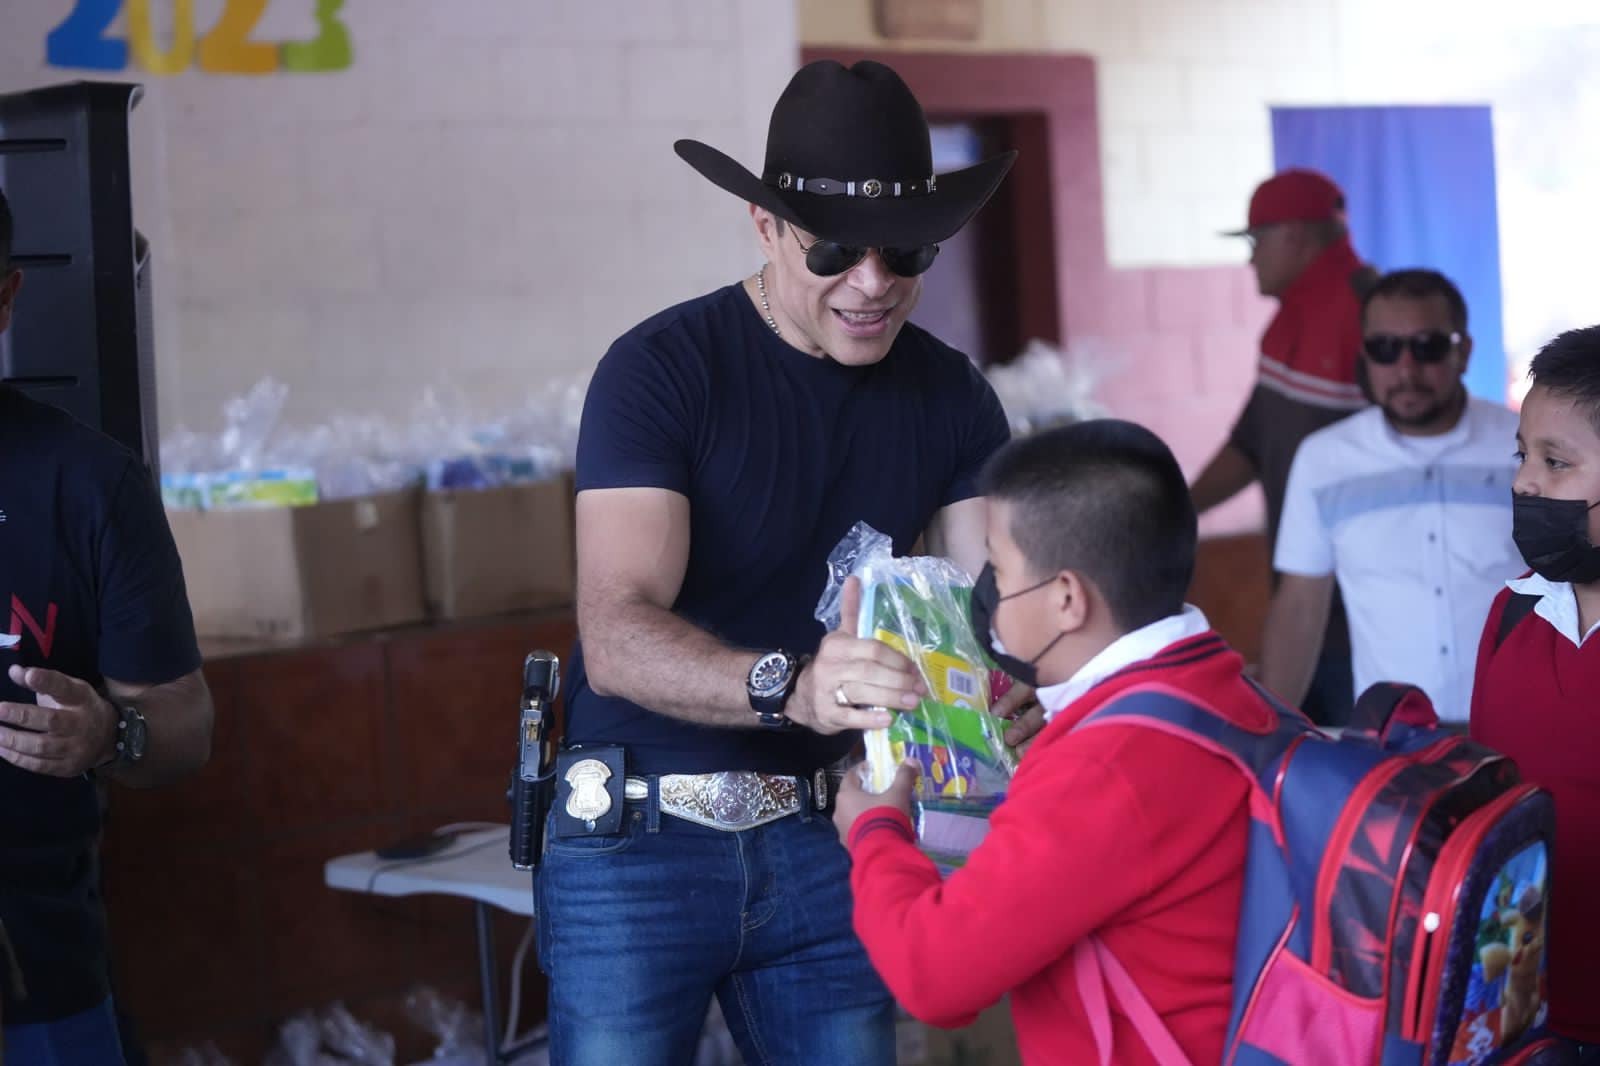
(770, 675)
(135, 737)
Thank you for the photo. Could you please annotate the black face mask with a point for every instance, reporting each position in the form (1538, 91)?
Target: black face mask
(1553, 537)
(985, 599)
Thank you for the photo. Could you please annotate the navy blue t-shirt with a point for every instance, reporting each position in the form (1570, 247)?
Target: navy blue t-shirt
(779, 454)
(94, 589)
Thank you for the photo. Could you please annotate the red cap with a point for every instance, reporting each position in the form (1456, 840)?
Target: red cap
(1294, 196)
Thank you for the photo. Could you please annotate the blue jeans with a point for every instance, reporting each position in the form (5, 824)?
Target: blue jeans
(638, 931)
(86, 1039)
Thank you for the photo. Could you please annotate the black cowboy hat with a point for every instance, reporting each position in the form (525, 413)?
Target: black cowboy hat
(848, 159)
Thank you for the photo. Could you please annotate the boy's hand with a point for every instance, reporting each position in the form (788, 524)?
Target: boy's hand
(1024, 712)
(854, 799)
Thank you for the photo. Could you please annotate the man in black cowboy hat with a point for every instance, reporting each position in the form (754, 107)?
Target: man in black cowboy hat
(727, 445)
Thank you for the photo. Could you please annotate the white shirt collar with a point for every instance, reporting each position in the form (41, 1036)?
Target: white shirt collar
(1143, 643)
(1558, 605)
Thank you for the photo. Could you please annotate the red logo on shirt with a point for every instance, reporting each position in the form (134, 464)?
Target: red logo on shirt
(20, 616)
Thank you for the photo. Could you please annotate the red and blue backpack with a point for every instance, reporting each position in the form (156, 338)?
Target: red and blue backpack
(1395, 898)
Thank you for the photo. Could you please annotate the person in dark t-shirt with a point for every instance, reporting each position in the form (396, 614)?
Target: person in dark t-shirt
(727, 445)
(99, 678)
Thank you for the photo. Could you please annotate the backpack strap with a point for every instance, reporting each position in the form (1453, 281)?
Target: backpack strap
(1180, 713)
(1518, 607)
(1098, 970)
(1387, 703)
(1258, 756)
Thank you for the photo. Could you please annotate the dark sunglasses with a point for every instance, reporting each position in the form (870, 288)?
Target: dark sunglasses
(827, 259)
(1253, 236)
(1431, 347)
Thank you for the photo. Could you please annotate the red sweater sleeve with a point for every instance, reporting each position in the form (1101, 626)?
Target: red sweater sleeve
(1066, 850)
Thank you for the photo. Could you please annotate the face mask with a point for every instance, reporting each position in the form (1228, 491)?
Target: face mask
(986, 599)
(1553, 537)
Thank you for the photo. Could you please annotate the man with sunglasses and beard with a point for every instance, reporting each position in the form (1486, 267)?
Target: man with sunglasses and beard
(1406, 505)
(727, 445)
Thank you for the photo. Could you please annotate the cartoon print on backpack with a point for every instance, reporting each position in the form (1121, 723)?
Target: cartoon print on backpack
(1506, 990)
(1524, 996)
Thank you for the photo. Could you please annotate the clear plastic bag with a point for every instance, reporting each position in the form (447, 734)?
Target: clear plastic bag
(347, 456)
(461, 451)
(919, 607)
(333, 1037)
(259, 460)
(1045, 386)
(205, 1054)
(236, 468)
(249, 421)
(457, 1029)
(860, 546)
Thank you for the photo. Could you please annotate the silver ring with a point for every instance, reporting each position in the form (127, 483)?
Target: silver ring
(839, 697)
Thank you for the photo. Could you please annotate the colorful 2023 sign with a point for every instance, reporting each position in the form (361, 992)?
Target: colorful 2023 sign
(81, 40)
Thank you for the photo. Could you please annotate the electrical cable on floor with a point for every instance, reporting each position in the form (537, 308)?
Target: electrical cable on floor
(518, 961)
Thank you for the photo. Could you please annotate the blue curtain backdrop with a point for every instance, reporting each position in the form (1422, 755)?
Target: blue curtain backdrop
(1420, 185)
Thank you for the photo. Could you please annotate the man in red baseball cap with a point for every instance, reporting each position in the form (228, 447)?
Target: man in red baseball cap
(1281, 251)
(1301, 254)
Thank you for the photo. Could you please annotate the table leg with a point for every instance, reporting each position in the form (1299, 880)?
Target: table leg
(488, 984)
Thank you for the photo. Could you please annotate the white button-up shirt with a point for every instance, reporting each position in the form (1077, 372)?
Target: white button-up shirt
(1418, 532)
(1558, 605)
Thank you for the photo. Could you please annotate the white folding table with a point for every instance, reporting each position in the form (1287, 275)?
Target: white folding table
(477, 866)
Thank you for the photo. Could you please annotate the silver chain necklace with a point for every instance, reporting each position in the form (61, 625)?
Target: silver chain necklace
(766, 308)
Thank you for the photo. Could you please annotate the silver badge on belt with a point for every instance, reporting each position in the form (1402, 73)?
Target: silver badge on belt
(588, 799)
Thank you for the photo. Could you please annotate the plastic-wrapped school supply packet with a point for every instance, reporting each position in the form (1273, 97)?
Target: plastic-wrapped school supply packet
(918, 606)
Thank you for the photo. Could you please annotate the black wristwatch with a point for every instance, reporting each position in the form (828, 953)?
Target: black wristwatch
(132, 735)
(770, 684)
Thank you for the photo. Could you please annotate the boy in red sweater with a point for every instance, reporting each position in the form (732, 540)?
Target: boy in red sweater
(1118, 831)
(1537, 692)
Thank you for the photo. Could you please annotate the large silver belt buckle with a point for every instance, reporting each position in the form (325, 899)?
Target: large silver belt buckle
(731, 800)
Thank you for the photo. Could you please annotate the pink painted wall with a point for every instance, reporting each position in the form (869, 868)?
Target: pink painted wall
(1185, 340)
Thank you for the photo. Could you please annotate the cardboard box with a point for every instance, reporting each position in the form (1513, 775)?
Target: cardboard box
(489, 551)
(295, 572)
(989, 1041)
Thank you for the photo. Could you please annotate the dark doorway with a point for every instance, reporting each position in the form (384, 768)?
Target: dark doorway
(982, 296)
(1041, 242)
(966, 297)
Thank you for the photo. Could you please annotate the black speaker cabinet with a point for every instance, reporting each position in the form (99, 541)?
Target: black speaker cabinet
(82, 336)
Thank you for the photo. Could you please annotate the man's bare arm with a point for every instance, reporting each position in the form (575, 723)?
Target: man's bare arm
(959, 532)
(178, 719)
(70, 727)
(1228, 473)
(633, 552)
(1296, 621)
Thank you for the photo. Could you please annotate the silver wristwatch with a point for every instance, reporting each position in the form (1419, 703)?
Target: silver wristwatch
(770, 684)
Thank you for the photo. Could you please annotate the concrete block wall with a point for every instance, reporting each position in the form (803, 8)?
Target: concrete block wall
(486, 198)
(1185, 89)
